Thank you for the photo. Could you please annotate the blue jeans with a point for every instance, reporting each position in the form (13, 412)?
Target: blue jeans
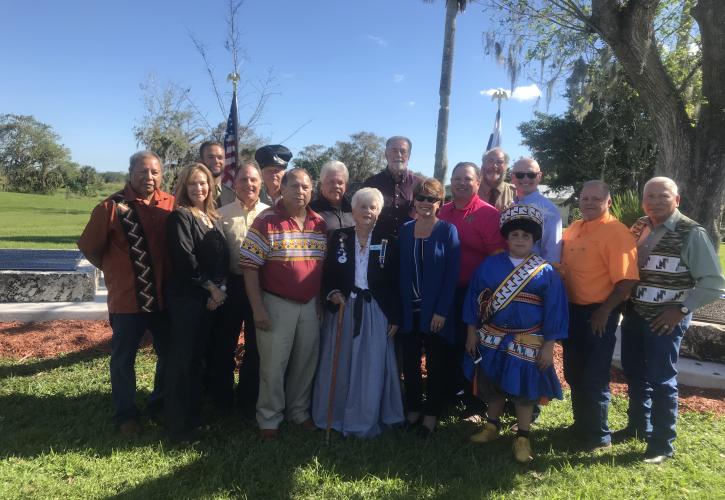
(650, 365)
(587, 361)
(128, 329)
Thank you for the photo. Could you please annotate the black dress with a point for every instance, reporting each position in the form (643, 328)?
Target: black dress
(198, 254)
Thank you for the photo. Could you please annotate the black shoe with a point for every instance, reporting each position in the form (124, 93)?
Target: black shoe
(626, 434)
(408, 426)
(655, 457)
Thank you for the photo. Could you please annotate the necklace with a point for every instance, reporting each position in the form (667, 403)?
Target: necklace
(205, 219)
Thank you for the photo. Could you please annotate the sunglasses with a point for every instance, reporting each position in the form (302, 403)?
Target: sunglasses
(429, 199)
(530, 175)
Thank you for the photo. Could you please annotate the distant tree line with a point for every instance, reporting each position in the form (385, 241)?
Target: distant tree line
(32, 160)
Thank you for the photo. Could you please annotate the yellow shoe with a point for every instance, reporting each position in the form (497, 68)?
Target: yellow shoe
(488, 434)
(522, 450)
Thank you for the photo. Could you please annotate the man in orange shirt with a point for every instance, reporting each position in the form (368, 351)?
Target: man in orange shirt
(599, 265)
(126, 239)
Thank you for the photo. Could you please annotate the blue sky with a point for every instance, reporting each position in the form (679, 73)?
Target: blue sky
(342, 66)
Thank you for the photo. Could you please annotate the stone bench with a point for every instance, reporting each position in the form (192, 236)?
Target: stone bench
(46, 276)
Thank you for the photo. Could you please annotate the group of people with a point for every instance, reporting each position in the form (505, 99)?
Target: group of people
(339, 296)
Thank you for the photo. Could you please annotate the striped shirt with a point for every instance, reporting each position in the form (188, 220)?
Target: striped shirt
(289, 258)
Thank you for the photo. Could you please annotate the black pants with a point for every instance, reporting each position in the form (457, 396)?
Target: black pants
(457, 380)
(437, 362)
(191, 323)
(223, 346)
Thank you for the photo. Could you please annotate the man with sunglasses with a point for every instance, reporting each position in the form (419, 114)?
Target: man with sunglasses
(526, 176)
(494, 189)
(396, 183)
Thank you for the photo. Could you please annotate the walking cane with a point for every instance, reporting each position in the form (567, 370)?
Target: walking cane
(335, 360)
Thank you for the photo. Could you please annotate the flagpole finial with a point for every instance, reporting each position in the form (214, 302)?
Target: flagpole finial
(234, 78)
(499, 95)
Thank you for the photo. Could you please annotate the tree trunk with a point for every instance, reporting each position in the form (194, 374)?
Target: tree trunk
(441, 155)
(707, 178)
(693, 157)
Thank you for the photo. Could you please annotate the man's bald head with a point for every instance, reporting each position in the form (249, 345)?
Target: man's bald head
(526, 176)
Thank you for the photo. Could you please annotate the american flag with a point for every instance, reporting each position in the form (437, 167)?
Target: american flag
(494, 139)
(230, 146)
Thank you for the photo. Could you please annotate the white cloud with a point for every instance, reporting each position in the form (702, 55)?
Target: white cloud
(411, 104)
(397, 78)
(526, 93)
(377, 40)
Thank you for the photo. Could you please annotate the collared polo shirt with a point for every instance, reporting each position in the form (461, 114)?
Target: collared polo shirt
(478, 232)
(289, 258)
(397, 197)
(596, 255)
(236, 219)
(104, 239)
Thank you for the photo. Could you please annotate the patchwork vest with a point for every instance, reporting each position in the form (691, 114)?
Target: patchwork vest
(664, 280)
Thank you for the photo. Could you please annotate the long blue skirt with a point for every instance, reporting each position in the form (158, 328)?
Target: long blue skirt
(367, 396)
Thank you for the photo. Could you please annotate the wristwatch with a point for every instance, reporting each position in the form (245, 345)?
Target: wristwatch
(223, 288)
(684, 310)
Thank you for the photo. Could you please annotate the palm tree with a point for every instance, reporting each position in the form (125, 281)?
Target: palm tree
(453, 7)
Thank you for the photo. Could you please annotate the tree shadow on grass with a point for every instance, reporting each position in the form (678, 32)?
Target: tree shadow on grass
(30, 368)
(394, 465)
(232, 461)
(57, 210)
(42, 238)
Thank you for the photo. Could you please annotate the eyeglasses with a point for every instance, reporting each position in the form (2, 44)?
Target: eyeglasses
(429, 199)
(530, 175)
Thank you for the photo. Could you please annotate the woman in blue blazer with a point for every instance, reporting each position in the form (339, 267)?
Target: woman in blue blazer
(429, 262)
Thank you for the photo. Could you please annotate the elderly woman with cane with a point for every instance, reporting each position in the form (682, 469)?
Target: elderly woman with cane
(357, 391)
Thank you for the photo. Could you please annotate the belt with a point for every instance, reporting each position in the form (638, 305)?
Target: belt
(362, 295)
(282, 297)
(527, 339)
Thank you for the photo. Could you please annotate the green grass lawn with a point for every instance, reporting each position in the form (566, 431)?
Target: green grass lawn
(56, 442)
(45, 221)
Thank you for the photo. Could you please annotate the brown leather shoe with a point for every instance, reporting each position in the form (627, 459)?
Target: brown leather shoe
(268, 434)
(130, 428)
(309, 425)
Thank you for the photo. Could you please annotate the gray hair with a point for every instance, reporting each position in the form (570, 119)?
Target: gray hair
(139, 156)
(334, 166)
(248, 163)
(367, 194)
(506, 157)
(399, 138)
(668, 183)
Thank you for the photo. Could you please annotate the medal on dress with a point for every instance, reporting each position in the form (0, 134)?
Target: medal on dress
(383, 248)
(341, 253)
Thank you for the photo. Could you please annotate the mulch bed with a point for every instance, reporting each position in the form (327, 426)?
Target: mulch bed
(48, 339)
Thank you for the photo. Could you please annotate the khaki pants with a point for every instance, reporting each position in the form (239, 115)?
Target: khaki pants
(287, 361)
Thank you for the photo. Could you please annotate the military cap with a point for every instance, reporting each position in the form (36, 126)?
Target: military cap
(273, 155)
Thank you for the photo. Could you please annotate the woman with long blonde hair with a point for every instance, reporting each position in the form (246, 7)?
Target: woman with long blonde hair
(195, 292)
